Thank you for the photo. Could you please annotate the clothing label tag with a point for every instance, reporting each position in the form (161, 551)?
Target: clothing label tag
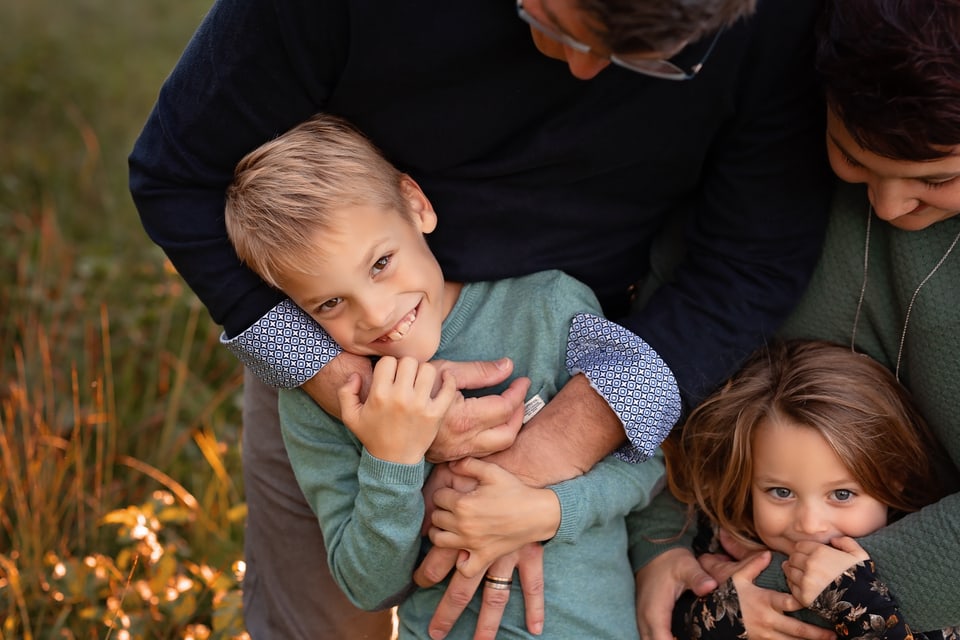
(532, 407)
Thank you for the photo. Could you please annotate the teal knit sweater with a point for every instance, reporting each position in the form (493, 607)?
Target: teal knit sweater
(370, 510)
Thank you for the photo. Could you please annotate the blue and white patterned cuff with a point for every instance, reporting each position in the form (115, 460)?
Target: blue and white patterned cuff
(284, 348)
(633, 379)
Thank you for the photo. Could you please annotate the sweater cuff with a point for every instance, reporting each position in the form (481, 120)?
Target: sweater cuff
(569, 529)
(633, 379)
(284, 348)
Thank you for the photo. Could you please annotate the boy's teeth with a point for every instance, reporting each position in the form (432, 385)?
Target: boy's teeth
(402, 327)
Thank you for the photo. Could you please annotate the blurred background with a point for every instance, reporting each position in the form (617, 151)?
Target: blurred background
(121, 508)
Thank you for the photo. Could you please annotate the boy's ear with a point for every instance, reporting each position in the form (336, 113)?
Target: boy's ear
(421, 211)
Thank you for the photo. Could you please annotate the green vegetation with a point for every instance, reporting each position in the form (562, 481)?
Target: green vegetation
(121, 509)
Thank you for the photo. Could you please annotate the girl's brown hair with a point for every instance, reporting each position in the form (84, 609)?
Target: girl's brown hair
(854, 402)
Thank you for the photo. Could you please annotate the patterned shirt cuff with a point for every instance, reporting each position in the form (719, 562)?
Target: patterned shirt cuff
(284, 348)
(633, 379)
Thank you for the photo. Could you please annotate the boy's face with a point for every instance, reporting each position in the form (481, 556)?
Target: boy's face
(373, 283)
(802, 490)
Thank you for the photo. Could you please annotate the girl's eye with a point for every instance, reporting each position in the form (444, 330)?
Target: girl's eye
(381, 264)
(329, 304)
(781, 493)
(843, 495)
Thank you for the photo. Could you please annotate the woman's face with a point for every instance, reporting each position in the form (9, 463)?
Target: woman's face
(909, 195)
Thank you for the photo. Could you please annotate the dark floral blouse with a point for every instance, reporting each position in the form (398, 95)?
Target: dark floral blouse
(857, 604)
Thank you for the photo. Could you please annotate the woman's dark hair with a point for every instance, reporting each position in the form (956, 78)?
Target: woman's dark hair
(891, 73)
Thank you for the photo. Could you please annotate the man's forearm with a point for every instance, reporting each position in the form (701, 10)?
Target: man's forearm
(566, 438)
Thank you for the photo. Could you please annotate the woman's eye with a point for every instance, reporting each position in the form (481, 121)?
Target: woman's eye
(381, 264)
(931, 184)
(850, 160)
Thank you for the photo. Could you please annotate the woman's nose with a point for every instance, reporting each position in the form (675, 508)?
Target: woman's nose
(892, 199)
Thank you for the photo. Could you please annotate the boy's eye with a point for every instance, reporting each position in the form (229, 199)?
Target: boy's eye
(330, 304)
(380, 264)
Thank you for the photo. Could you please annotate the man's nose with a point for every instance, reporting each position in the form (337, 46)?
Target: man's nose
(585, 65)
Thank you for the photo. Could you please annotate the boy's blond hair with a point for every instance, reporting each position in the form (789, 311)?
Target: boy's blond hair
(284, 191)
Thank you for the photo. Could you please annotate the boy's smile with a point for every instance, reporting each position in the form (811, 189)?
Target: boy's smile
(401, 329)
(372, 282)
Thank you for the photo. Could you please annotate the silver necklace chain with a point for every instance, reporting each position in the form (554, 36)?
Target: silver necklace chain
(913, 298)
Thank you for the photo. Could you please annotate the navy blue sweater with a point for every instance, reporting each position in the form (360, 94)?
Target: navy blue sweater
(528, 167)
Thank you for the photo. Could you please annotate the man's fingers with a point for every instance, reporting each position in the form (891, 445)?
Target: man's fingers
(455, 599)
(477, 374)
(435, 566)
(497, 584)
(530, 567)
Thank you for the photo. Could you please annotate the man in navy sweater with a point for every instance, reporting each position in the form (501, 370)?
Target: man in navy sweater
(699, 117)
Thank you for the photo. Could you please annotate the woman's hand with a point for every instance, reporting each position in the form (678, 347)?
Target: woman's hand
(660, 583)
(498, 516)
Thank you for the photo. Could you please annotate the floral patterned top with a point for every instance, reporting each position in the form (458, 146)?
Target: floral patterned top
(857, 603)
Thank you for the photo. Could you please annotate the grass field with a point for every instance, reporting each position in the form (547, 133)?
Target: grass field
(121, 512)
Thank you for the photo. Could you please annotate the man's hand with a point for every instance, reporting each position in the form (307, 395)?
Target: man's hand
(813, 566)
(473, 426)
(570, 434)
(659, 585)
(323, 386)
(480, 426)
(460, 591)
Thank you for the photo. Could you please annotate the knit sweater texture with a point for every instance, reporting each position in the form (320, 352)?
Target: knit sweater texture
(370, 510)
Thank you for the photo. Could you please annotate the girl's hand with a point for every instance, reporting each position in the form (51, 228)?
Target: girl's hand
(813, 566)
(401, 415)
(763, 610)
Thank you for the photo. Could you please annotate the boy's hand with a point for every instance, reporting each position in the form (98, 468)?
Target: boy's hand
(401, 414)
(813, 566)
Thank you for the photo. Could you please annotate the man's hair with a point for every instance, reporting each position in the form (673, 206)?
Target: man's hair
(626, 26)
(284, 191)
(891, 73)
(853, 401)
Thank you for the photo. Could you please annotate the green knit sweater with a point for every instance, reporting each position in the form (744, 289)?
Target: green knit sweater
(918, 557)
(370, 510)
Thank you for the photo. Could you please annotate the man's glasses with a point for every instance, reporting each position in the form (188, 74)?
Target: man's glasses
(664, 69)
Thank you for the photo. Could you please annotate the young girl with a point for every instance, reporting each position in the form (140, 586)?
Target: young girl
(809, 446)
